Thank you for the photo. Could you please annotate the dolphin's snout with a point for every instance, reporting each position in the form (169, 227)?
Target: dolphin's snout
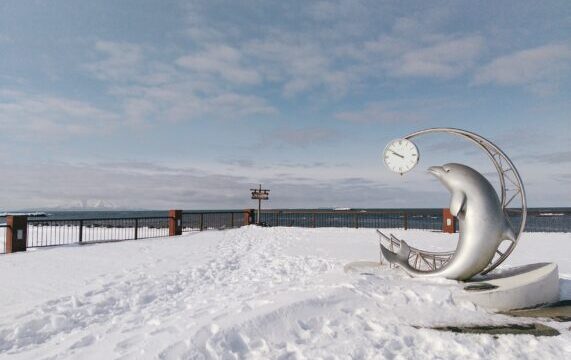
(436, 170)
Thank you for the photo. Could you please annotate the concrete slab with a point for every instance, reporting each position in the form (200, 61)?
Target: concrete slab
(523, 287)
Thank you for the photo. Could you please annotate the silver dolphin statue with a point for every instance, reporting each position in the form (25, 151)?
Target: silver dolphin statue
(483, 224)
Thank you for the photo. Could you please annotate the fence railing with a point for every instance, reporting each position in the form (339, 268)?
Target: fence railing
(42, 232)
(207, 220)
(424, 219)
(430, 219)
(51, 232)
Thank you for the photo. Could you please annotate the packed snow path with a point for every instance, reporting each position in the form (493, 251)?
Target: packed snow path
(252, 293)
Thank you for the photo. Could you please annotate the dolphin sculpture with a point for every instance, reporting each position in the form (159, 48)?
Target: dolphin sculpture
(483, 224)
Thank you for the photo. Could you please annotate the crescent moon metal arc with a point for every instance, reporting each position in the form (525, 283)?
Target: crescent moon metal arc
(511, 188)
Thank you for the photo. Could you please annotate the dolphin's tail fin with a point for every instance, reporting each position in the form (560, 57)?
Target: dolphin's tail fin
(508, 233)
(400, 258)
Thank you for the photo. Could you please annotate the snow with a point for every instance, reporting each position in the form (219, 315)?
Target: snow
(253, 293)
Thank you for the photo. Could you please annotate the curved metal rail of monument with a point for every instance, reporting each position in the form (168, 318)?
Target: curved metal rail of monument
(511, 187)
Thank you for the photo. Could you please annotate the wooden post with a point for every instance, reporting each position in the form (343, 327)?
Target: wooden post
(201, 222)
(248, 216)
(406, 220)
(16, 233)
(175, 222)
(448, 222)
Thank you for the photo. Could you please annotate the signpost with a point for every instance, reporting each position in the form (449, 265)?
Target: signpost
(260, 194)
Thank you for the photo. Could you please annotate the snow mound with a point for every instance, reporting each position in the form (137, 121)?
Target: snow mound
(252, 293)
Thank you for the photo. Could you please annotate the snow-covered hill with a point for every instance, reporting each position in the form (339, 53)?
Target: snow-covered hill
(252, 293)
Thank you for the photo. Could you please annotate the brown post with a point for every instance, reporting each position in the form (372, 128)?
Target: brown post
(448, 221)
(16, 233)
(175, 222)
(248, 216)
(405, 220)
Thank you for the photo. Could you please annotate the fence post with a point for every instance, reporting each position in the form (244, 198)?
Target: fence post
(356, 220)
(16, 233)
(175, 222)
(232, 214)
(448, 221)
(137, 228)
(406, 220)
(201, 222)
(248, 216)
(80, 231)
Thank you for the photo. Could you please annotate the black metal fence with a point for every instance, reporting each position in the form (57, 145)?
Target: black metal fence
(43, 232)
(557, 220)
(538, 220)
(404, 219)
(208, 220)
(51, 232)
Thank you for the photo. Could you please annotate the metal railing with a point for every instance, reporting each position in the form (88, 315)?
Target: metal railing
(538, 220)
(405, 219)
(553, 220)
(42, 232)
(208, 220)
(52, 232)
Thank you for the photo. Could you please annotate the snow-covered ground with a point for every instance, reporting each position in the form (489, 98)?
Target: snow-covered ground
(253, 293)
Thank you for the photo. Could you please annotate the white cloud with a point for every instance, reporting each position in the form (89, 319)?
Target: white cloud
(301, 137)
(223, 61)
(443, 59)
(45, 117)
(537, 66)
(151, 90)
(5, 39)
(379, 112)
(121, 62)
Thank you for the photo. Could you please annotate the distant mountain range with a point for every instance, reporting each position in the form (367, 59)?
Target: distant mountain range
(87, 205)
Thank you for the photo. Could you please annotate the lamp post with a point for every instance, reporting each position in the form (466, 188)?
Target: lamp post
(260, 194)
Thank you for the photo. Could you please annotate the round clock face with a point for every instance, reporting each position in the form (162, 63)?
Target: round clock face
(401, 155)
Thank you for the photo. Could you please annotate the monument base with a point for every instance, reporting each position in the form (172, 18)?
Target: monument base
(522, 287)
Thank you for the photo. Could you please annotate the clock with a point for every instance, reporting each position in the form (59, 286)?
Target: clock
(401, 155)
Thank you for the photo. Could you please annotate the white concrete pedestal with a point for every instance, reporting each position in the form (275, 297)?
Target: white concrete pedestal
(516, 288)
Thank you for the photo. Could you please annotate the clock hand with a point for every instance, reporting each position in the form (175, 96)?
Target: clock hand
(397, 154)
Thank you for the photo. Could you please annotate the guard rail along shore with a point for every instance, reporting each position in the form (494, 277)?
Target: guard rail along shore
(20, 232)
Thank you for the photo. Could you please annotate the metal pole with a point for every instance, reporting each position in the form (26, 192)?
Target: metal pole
(136, 228)
(259, 207)
(80, 231)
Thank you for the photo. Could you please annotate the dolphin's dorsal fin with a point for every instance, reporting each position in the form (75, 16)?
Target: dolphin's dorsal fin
(457, 203)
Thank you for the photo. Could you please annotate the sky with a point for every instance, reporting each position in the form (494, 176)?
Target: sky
(140, 104)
